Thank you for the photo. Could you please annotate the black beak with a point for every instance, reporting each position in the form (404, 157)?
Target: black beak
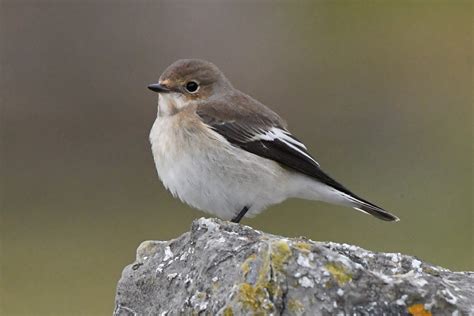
(156, 87)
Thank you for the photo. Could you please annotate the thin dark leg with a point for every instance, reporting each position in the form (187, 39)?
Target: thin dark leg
(240, 215)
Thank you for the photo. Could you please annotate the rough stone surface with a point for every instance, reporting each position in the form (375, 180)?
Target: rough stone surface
(229, 269)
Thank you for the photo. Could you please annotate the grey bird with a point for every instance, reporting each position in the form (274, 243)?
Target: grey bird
(223, 152)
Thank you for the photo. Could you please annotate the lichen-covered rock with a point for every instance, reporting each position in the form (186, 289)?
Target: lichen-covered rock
(229, 269)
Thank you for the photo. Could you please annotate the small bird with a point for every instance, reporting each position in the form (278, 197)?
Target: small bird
(223, 152)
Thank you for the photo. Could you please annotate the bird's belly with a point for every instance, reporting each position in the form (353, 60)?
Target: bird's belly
(208, 173)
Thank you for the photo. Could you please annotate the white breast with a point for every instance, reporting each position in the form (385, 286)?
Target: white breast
(201, 168)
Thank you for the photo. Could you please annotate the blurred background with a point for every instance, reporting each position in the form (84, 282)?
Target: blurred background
(380, 92)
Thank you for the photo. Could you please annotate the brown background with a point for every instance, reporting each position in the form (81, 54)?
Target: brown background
(381, 93)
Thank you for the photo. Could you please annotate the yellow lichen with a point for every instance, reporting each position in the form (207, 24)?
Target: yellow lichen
(418, 310)
(295, 306)
(303, 246)
(339, 273)
(273, 289)
(431, 271)
(228, 312)
(254, 297)
(280, 254)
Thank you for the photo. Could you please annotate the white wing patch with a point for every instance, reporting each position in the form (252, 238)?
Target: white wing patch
(285, 137)
(361, 210)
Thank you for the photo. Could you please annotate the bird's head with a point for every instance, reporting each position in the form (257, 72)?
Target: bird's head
(187, 81)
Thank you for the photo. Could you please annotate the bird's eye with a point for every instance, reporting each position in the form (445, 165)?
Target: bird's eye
(192, 86)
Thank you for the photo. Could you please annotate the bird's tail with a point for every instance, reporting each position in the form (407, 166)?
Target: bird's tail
(335, 193)
(370, 208)
(349, 199)
(377, 212)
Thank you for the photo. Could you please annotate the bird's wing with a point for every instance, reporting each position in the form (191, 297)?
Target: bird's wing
(258, 130)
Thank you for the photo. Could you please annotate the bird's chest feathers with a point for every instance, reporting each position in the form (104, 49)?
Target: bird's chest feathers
(180, 150)
(169, 141)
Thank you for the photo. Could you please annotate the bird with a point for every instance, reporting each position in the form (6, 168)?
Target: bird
(223, 152)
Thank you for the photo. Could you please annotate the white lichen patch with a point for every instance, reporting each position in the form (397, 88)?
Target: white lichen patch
(160, 267)
(171, 276)
(416, 265)
(306, 282)
(402, 300)
(419, 282)
(168, 254)
(209, 224)
(351, 248)
(231, 233)
(395, 257)
(304, 261)
(450, 298)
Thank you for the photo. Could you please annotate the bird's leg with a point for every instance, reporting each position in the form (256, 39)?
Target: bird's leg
(240, 215)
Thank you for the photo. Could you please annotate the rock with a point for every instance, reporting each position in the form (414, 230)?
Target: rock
(229, 269)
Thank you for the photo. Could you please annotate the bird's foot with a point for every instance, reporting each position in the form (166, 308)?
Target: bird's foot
(240, 215)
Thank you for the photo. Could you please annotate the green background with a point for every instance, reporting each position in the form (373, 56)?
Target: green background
(380, 91)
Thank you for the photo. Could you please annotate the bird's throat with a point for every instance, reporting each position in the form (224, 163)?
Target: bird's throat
(170, 104)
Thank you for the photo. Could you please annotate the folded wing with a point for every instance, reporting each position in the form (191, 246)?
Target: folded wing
(266, 136)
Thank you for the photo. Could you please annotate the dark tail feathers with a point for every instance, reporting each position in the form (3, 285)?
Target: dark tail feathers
(376, 211)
